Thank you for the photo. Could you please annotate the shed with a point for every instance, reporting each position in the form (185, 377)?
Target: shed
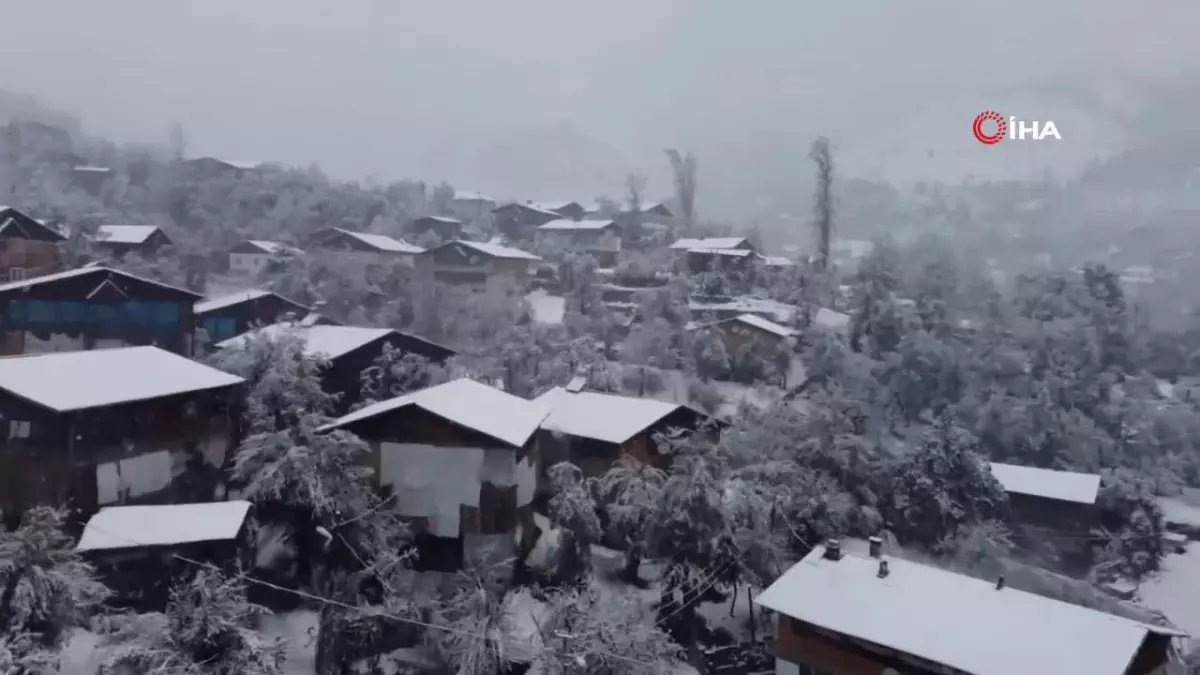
(122, 239)
(230, 315)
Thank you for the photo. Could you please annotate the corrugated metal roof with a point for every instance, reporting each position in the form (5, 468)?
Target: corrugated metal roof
(1067, 486)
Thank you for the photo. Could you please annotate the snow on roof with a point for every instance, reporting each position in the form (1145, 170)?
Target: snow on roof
(97, 169)
(530, 206)
(117, 527)
(66, 381)
(440, 219)
(272, 246)
(922, 611)
(382, 242)
(125, 234)
(90, 268)
(779, 310)
(471, 196)
(244, 164)
(776, 261)
(708, 243)
(220, 302)
(568, 224)
(329, 342)
(468, 403)
(553, 206)
(764, 324)
(734, 252)
(1066, 486)
(603, 417)
(827, 318)
(497, 250)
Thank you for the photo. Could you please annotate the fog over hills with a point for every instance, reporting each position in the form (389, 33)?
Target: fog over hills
(544, 100)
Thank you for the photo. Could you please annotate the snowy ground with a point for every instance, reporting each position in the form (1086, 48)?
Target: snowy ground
(547, 308)
(1175, 591)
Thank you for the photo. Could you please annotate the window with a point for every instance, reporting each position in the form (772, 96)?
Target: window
(18, 428)
(16, 274)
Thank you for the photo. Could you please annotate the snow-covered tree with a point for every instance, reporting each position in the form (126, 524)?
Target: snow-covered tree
(631, 492)
(209, 628)
(394, 372)
(46, 588)
(573, 509)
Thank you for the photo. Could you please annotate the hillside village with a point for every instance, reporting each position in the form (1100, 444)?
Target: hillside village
(262, 421)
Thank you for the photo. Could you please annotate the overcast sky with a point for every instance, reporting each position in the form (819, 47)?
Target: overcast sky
(367, 87)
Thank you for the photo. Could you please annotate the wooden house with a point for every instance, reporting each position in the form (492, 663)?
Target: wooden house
(520, 221)
(233, 314)
(363, 246)
(442, 226)
(111, 426)
(869, 615)
(139, 551)
(599, 238)
(460, 459)
(348, 350)
(471, 205)
(702, 255)
(750, 330)
(204, 168)
(91, 179)
(96, 306)
(565, 209)
(120, 240)
(252, 256)
(478, 264)
(28, 248)
(1045, 499)
(594, 430)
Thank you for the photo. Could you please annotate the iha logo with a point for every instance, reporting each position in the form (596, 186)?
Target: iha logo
(990, 128)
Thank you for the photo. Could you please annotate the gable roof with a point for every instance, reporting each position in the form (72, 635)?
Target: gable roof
(921, 610)
(568, 224)
(709, 243)
(528, 207)
(1067, 486)
(320, 341)
(15, 224)
(231, 299)
(611, 418)
(125, 234)
(270, 247)
(445, 220)
(118, 527)
(765, 325)
(490, 249)
(67, 381)
(467, 403)
(554, 206)
(98, 270)
(471, 196)
(379, 242)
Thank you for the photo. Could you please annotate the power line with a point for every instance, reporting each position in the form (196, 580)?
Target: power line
(245, 576)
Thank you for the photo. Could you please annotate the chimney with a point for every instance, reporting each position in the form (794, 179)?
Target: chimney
(883, 569)
(1000, 582)
(876, 546)
(833, 550)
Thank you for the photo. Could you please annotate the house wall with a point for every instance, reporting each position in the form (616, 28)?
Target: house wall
(150, 452)
(451, 481)
(248, 263)
(814, 651)
(737, 335)
(25, 259)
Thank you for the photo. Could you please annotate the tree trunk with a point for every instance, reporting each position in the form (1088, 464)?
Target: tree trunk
(750, 605)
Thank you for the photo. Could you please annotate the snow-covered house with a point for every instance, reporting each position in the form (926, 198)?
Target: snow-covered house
(564, 208)
(28, 248)
(122, 239)
(1045, 498)
(518, 220)
(751, 330)
(348, 350)
(478, 264)
(600, 238)
(728, 308)
(91, 178)
(232, 314)
(471, 205)
(364, 246)
(593, 430)
(212, 167)
(845, 613)
(133, 547)
(460, 460)
(253, 255)
(443, 226)
(111, 426)
(95, 306)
